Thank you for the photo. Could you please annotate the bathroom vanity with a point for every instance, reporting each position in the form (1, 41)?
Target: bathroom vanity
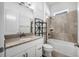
(25, 47)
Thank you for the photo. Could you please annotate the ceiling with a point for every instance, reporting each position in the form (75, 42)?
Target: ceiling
(51, 3)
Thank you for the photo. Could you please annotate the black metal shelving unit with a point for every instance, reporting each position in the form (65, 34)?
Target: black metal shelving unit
(39, 27)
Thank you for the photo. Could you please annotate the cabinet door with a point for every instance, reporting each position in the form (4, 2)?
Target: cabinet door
(21, 54)
(31, 52)
(39, 51)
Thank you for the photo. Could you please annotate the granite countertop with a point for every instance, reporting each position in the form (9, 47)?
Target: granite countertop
(18, 41)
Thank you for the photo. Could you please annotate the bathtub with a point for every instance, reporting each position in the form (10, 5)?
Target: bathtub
(63, 47)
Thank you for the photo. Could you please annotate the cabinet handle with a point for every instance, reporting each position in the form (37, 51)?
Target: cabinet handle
(26, 55)
(23, 55)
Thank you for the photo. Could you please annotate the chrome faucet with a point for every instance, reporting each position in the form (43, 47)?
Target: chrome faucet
(22, 34)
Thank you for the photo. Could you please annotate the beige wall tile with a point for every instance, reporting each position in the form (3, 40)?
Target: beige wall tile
(65, 26)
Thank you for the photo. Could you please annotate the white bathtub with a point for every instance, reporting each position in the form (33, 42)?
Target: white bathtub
(66, 48)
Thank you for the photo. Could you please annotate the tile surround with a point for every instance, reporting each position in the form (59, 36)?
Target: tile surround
(64, 26)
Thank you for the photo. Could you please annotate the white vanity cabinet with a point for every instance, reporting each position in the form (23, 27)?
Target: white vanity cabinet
(29, 49)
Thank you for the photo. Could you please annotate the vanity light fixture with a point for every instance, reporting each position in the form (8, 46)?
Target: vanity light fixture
(26, 4)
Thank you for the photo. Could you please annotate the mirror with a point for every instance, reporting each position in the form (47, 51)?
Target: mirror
(17, 23)
(24, 24)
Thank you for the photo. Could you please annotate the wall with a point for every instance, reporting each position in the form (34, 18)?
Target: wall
(78, 20)
(64, 25)
(78, 28)
(18, 13)
(1, 26)
(46, 11)
(62, 6)
(38, 10)
(41, 10)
